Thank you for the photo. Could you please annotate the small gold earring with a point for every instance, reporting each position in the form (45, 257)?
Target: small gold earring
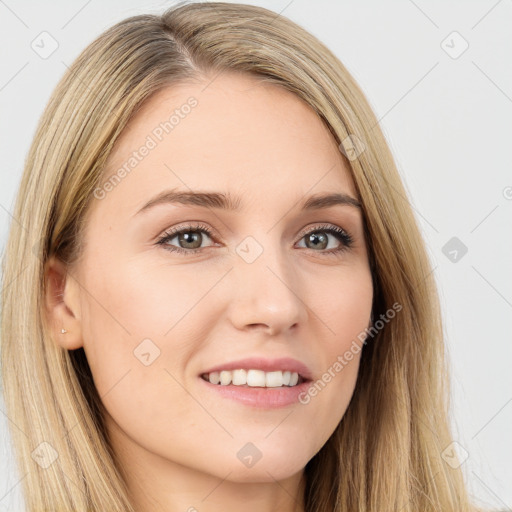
(63, 331)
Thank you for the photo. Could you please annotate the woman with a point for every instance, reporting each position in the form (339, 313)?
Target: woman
(233, 302)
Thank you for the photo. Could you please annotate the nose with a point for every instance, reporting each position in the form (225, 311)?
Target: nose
(266, 295)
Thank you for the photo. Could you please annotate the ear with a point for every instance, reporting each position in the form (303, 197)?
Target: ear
(62, 303)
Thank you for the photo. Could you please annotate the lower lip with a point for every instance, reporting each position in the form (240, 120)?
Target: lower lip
(263, 398)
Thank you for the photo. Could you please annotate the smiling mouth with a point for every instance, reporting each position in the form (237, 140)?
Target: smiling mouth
(251, 378)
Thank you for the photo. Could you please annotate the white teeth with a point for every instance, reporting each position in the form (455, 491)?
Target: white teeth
(225, 378)
(274, 379)
(239, 377)
(214, 377)
(256, 378)
(253, 378)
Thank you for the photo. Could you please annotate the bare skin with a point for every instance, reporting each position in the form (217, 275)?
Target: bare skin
(177, 441)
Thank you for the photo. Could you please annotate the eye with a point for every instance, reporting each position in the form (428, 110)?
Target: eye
(318, 239)
(189, 237)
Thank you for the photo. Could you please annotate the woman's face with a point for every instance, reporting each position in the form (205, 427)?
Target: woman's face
(158, 309)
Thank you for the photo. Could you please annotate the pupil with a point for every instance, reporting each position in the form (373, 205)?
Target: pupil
(317, 240)
(192, 239)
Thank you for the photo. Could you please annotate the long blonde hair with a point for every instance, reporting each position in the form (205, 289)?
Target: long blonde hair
(386, 453)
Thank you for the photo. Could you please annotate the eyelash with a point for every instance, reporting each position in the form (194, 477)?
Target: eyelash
(345, 238)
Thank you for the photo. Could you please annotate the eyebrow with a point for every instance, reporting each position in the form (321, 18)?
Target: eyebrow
(222, 201)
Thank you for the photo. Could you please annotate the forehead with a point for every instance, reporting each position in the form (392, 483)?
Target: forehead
(230, 132)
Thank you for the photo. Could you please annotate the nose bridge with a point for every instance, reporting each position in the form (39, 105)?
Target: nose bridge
(266, 291)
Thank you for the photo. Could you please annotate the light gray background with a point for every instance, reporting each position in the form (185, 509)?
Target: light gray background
(448, 123)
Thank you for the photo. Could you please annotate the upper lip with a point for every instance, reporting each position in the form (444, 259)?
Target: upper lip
(267, 365)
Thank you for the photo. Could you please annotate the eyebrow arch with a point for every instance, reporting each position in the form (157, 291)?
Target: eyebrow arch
(227, 202)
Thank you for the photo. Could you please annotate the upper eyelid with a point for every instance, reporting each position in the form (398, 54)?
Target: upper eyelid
(172, 232)
(322, 225)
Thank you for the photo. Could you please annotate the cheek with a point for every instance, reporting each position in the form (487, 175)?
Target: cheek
(126, 304)
(143, 300)
(343, 307)
(344, 312)
(135, 367)
(141, 326)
